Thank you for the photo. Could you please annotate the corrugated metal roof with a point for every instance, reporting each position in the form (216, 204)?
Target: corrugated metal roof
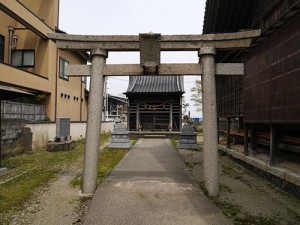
(155, 84)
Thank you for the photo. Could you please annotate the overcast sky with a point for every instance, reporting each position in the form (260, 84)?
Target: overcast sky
(132, 17)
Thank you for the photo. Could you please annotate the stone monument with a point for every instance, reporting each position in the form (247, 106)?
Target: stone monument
(187, 138)
(62, 140)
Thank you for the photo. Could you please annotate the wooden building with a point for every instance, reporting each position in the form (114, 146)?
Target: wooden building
(154, 103)
(267, 96)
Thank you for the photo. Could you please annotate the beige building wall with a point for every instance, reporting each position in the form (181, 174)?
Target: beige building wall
(41, 17)
(71, 98)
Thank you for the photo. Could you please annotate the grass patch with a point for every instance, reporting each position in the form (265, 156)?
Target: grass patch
(133, 142)
(27, 172)
(174, 142)
(199, 133)
(76, 181)
(108, 159)
(105, 137)
(17, 191)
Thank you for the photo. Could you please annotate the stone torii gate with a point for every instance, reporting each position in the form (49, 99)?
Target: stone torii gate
(150, 46)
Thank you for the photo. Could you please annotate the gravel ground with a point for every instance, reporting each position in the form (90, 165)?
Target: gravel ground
(245, 197)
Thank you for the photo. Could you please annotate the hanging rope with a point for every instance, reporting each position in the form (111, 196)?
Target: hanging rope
(155, 106)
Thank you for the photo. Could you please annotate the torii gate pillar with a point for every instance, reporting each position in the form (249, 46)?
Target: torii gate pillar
(210, 129)
(92, 144)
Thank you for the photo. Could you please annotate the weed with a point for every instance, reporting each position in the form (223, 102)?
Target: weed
(239, 217)
(229, 209)
(229, 171)
(225, 188)
(174, 142)
(82, 209)
(133, 142)
(191, 165)
(76, 181)
(247, 219)
(199, 133)
(222, 153)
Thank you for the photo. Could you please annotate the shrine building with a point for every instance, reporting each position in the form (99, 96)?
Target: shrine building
(154, 103)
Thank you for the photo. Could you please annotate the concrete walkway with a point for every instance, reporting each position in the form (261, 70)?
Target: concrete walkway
(151, 186)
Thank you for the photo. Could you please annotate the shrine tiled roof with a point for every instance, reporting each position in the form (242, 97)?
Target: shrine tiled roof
(155, 84)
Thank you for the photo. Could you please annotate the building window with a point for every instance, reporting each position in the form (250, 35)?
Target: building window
(83, 79)
(62, 68)
(2, 40)
(23, 58)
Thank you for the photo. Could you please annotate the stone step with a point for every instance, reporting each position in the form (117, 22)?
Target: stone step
(154, 136)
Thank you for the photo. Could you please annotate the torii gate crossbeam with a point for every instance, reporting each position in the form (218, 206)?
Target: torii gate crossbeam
(167, 42)
(206, 45)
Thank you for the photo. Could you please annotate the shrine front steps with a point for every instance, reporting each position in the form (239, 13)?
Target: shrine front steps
(154, 134)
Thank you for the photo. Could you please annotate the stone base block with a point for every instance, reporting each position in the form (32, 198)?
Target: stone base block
(61, 146)
(119, 145)
(188, 146)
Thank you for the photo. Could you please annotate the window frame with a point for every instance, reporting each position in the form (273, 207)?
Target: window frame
(65, 62)
(22, 52)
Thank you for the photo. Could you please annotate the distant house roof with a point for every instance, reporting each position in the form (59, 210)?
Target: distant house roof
(155, 84)
(118, 98)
